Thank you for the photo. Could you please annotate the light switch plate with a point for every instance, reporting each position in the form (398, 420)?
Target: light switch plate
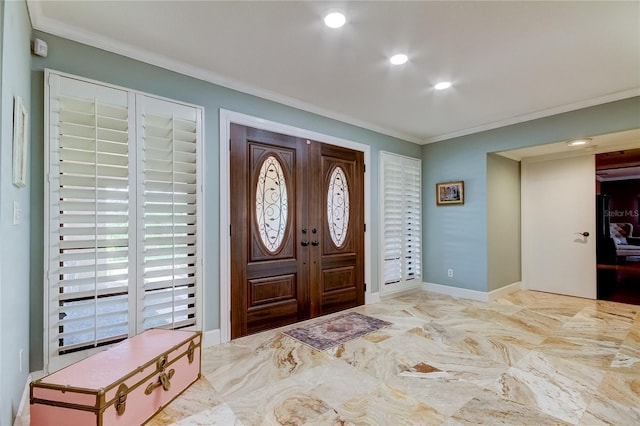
(17, 213)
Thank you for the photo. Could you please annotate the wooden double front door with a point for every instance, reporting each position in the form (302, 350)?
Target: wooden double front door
(297, 229)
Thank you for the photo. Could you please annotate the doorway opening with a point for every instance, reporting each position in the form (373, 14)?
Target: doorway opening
(582, 224)
(618, 225)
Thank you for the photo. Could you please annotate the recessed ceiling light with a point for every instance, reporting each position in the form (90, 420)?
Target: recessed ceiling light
(579, 142)
(334, 20)
(442, 85)
(399, 59)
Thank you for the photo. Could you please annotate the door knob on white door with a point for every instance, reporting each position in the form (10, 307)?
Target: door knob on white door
(584, 234)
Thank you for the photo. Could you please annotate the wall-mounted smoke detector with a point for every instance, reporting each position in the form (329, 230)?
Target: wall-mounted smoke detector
(39, 47)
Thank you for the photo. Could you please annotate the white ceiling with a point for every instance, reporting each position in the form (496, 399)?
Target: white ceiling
(508, 61)
(629, 139)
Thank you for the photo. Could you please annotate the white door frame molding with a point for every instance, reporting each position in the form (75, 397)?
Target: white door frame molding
(226, 118)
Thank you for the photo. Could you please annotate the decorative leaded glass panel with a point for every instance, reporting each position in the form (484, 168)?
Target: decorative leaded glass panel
(271, 204)
(338, 206)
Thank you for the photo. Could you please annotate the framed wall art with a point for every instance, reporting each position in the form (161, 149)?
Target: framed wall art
(450, 193)
(20, 140)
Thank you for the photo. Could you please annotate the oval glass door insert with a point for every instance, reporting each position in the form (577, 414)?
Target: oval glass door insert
(338, 206)
(271, 204)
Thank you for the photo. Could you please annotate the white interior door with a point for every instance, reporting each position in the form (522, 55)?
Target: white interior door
(558, 203)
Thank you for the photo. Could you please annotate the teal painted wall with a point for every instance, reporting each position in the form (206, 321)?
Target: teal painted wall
(75, 58)
(14, 239)
(456, 236)
(503, 222)
(2, 396)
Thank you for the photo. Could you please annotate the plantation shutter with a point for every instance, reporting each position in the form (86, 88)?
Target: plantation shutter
(411, 220)
(89, 214)
(167, 208)
(122, 204)
(392, 221)
(401, 218)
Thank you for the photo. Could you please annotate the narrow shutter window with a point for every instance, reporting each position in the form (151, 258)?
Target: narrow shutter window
(89, 211)
(401, 221)
(167, 209)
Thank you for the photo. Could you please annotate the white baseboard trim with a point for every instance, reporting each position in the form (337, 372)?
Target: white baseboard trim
(465, 293)
(503, 291)
(24, 402)
(371, 298)
(210, 338)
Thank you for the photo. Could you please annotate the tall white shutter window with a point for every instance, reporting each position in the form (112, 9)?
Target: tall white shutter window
(88, 215)
(167, 208)
(400, 180)
(122, 201)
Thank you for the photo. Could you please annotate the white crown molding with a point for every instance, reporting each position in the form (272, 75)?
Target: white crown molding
(54, 27)
(536, 115)
(34, 8)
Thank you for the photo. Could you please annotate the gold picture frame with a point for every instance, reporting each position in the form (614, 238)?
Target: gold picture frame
(450, 193)
(20, 138)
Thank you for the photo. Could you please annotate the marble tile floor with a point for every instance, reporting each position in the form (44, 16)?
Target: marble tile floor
(529, 358)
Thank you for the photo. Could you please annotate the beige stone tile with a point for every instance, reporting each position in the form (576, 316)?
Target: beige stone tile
(603, 411)
(591, 352)
(220, 415)
(627, 360)
(558, 387)
(201, 396)
(623, 388)
(276, 359)
(303, 397)
(597, 324)
(437, 389)
(554, 305)
(387, 405)
(491, 409)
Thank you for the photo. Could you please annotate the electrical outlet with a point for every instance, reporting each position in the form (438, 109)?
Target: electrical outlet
(450, 273)
(20, 359)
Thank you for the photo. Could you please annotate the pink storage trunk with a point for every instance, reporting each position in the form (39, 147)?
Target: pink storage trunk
(124, 385)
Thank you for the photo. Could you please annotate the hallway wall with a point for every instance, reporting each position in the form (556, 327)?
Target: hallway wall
(14, 238)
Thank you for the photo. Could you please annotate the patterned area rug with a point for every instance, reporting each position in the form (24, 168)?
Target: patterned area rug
(334, 331)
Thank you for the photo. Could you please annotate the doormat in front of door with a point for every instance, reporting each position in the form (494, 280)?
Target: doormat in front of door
(334, 331)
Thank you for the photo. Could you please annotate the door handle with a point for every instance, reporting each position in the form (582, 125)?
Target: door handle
(584, 234)
(315, 243)
(304, 243)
